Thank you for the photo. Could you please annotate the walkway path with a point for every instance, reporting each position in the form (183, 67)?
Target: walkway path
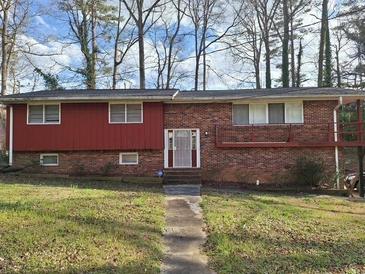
(184, 235)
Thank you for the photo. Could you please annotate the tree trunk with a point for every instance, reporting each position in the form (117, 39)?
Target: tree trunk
(324, 19)
(292, 54)
(338, 72)
(285, 50)
(267, 62)
(299, 65)
(140, 26)
(328, 58)
(4, 53)
(92, 77)
(204, 69)
(197, 60)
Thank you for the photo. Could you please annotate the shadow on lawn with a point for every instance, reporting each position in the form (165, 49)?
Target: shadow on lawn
(85, 183)
(290, 255)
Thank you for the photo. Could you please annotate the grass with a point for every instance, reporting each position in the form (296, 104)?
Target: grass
(274, 233)
(63, 226)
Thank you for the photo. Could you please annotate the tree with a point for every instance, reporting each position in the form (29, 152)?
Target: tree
(13, 15)
(167, 41)
(324, 59)
(124, 40)
(87, 19)
(354, 30)
(206, 16)
(141, 14)
(265, 12)
(285, 50)
(246, 46)
(50, 81)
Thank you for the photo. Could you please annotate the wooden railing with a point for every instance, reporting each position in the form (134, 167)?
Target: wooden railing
(291, 135)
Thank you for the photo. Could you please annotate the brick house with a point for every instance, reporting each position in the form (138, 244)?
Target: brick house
(235, 135)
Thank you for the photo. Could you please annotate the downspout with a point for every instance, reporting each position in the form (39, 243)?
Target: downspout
(11, 133)
(335, 131)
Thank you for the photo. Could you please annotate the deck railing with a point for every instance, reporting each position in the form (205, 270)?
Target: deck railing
(291, 135)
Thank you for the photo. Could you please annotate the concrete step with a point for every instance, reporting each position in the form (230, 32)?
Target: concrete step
(182, 176)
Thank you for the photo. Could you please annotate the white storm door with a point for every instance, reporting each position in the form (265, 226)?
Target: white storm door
(182, 148)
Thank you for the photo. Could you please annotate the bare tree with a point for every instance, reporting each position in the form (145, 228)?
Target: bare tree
(265, 12)
(124, 40)
(141, 13)
(207, 16)
(167, 44)
(247, 46)
(13, 15)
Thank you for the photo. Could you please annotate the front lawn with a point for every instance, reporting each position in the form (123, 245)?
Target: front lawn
(80, 227)
(271, 233)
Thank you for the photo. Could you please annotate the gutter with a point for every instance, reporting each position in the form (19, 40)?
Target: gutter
(335, 131)
(11, 132)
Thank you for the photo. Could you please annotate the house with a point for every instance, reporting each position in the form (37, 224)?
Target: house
(234, 135)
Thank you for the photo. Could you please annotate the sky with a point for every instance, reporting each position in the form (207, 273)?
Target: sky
(49, 35)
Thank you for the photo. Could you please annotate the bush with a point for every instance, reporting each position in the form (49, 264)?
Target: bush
(309, 171)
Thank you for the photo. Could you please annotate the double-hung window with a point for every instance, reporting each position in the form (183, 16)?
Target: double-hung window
(125, 113)
(267, 113)
(44, 114)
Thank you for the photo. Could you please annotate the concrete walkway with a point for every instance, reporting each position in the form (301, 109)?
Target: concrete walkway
(184, 235)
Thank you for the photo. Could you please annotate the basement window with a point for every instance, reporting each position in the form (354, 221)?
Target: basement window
(43, 114)
(49, 159)
(125, 113)
(128, 158)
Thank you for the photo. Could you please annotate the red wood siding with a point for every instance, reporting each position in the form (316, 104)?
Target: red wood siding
(85, 126)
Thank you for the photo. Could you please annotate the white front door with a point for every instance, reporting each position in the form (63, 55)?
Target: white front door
(182, 148)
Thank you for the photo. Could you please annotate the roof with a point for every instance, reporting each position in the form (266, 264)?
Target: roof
(180, 96)
(89, 95)
(269, 93)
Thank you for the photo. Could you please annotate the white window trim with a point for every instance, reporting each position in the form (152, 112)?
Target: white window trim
(267, 113)
(44, 113)
(48, 154)
(125, 112)
(128, 153)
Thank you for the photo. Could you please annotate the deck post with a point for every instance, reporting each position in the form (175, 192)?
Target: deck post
(360, 148)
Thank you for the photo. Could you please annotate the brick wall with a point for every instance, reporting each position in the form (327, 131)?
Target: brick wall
(92, 163)
(268, 165)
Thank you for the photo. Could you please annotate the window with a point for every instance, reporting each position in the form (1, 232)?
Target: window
(272, 113)
(258, 114)
(240, 114)
(294, 112)
(44, 114)
(276, 114)
(128, 158)
(125, 113)
(49, 159)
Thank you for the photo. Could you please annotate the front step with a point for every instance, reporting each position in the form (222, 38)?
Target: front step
(182, 176)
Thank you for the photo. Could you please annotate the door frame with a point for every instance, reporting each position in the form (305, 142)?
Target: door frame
(166, 147)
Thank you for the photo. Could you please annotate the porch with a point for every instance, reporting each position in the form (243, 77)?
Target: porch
(349, 134)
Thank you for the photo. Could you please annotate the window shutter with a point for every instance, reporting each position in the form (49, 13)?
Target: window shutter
(240, 114)
(35, 114)
(134, 113)
(52, 113)
(117, 113)
(294, 112)
(276, 113)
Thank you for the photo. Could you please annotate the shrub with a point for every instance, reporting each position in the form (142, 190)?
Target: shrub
(309, 171)
(107, 168)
